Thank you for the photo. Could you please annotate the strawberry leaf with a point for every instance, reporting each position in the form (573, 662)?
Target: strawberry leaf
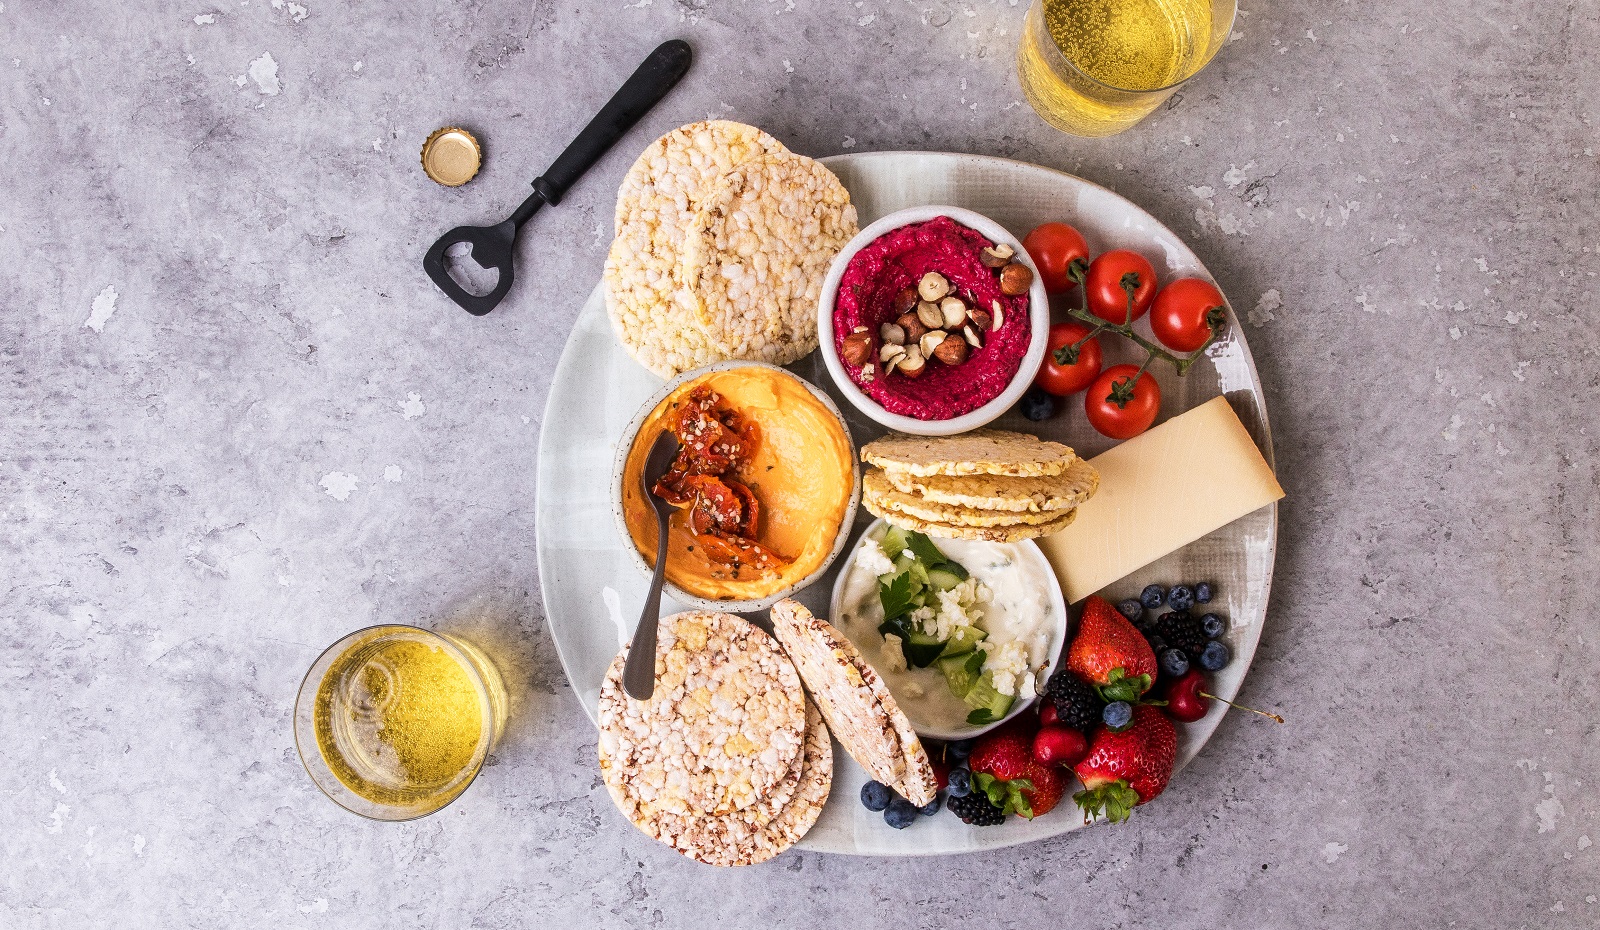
(1010, 796)
(1120, 686)
(1114, 799)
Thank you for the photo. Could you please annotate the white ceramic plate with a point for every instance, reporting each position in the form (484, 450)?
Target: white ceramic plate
(593, 592)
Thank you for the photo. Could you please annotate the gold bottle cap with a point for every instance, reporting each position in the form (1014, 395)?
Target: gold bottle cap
(451, 156)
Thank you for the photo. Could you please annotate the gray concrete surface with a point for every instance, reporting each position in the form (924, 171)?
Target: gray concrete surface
(238, 423)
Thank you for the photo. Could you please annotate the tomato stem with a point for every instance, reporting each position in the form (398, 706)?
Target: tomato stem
(1216, 317)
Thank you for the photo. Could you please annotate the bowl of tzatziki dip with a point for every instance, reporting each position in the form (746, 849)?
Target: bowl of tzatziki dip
(963, 632)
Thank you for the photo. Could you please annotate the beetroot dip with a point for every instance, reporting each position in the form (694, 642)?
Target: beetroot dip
(898, 259)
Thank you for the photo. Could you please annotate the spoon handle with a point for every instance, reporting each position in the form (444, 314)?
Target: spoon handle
(659, 73)
(639, 672)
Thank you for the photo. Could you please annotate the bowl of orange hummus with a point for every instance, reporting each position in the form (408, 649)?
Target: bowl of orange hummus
(764, 488)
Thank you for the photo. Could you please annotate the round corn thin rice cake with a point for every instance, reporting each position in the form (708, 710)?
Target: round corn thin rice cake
(1001, 534)
(876, 487)
(656, 205)
(980, 452)
(721, 731)
(919, 785)
(739, 838)
(680, 829)
(757, 253)
(1042, 494)
(860, 711)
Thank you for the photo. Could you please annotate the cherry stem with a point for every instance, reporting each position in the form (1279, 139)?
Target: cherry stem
(1241, 706)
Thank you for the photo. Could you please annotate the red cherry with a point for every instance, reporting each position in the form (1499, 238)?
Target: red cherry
(1047, 714)
(1059, 745)
(941, 769)
(1184, 699)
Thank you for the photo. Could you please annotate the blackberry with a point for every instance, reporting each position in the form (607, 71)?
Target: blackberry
(1182, 630)
(976, 810)
(1078, 705)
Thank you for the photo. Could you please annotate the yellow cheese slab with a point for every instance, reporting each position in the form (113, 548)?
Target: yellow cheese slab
(1160, 491)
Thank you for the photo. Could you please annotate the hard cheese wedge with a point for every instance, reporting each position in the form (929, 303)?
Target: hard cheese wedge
(1158, 492)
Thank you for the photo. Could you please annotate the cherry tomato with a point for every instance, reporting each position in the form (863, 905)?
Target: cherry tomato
(1103, 288)
(1184, 311)
(1139, 403)
(1060, 254)
(1060, 376)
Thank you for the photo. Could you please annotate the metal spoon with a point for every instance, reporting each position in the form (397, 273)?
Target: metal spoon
(493, 247)
(639, 673)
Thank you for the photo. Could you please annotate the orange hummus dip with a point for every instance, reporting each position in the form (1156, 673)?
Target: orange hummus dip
(798, 462)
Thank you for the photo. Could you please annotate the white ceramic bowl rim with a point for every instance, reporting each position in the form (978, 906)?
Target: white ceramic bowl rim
(619, 468)
(1038, 314)
(1058, 610)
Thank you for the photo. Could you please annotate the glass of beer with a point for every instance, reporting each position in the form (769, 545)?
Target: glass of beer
(1097, 67)
(394, 722)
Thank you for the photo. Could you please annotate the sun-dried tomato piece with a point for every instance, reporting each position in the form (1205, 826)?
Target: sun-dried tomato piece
(739, 553)
(750, 511)
(716, 506)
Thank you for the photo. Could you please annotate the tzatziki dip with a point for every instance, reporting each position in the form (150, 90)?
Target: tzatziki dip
(961, 631)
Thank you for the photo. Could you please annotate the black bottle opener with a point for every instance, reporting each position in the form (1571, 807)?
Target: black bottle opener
(495, 246)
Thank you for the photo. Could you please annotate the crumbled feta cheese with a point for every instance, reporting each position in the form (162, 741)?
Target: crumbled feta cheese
(1007, 662)
(912, 689)
(872, 559)
(893, 658)
(1030, 686)
(923, 619)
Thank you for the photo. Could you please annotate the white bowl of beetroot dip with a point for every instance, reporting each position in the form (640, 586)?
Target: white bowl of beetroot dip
(862, 314)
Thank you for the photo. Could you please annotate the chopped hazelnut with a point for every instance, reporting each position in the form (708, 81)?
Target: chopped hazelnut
(912, 364)
(857, 349)
(912, 324)
(1015, 279)
(954, 311)
(996, 256)
(951, 351)
(933, 286)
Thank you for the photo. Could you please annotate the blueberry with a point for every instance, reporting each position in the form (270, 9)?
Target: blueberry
(1157, 644)
(1037, 404)
(1174, 662)
(960, 749)
(1131, 609)
(900, 813)
(1117, 714)
(1202, 593)
(1152, 597)
(1215, 656)
(960, 782)
(1212, 625)
(875, 795)
(1181, 597)
(931, 808)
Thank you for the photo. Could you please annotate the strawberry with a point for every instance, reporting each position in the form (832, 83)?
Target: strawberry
(1106, 641)
(1003, 768)
(1129, 767)
(941, 768)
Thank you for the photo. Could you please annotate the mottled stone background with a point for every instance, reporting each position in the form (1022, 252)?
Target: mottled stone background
(238, 423)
